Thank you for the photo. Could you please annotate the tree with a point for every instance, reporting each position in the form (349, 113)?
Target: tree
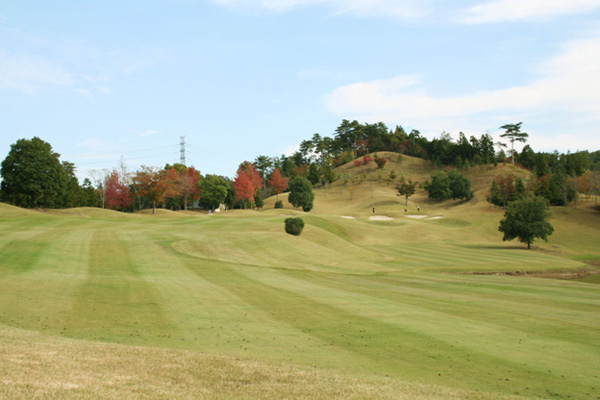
(301, 194)
(514, 134)
(247, 182)
(32, 175)
(506, 188)
(99, 177)
(117, 192)
(263, 165)
(314, 175)
(156, 185)
(214, 191)
(277, 182)
(89, 197)
(439, 187)
(445, 186)
(189, 185)
(405, 188)
(460, 186)
(526, 219)
(258, 200)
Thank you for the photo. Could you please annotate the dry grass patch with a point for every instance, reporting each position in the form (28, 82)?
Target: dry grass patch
(37, 366)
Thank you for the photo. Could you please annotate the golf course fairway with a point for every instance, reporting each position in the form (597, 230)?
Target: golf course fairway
(100, 304)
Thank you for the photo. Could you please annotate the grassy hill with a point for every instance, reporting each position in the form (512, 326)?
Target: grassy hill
(101, 304)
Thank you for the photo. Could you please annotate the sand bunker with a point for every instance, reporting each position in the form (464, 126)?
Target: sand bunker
(417, 216)
(380, 218)
(348, 217)
(437, 217)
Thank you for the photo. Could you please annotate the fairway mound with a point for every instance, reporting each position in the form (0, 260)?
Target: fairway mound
(87, 212)
(6, 210)
(380, 218)
(161, 212)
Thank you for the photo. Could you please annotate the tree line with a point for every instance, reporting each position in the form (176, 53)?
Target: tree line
(34, 177)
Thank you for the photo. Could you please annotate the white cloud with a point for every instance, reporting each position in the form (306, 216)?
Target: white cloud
(290, 150)
(84, 92)
(93, 143)
(29, 74)
(401, 9)
(148, 132)
(571, 80)
(518, 10)
(567, 85)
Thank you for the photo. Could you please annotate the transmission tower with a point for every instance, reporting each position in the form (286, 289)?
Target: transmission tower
(182, 150)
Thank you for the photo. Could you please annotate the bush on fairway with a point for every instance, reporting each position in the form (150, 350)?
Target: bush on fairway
(279, 204)
(294, 226)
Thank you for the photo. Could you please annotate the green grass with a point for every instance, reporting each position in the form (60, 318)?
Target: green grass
(179, 305)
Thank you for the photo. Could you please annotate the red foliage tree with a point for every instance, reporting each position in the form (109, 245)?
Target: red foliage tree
(278, 182)
(188, 186)
(116, 192)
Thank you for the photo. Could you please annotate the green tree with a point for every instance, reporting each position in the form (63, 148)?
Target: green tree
(314, 175)
(439, 187)
(213, 192)
(73, 192)
(32, 175)
(301, 194)
(526, 219)
(258, 199)
(406, 188)
(460, 186)
(514, 134)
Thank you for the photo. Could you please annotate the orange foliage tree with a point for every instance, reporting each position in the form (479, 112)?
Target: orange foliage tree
(247, 182)
(157, 185)
(188, 186)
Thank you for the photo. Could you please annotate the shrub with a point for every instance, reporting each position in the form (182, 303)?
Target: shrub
(380, 161)
(294, 226)
(357, 163)
(279, 204)
(366, 160)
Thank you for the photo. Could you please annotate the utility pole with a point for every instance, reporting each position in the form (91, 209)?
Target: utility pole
(182, 150)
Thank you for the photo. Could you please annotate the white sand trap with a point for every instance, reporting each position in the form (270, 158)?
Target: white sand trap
(417, 216)
(438, 217)
(348, 217)
(380, 218)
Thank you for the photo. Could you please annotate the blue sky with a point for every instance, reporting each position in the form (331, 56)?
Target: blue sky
(101, 80)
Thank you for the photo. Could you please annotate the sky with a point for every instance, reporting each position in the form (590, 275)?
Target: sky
(105, 81)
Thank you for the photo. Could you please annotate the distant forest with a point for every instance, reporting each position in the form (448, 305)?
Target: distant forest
(352, 140)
